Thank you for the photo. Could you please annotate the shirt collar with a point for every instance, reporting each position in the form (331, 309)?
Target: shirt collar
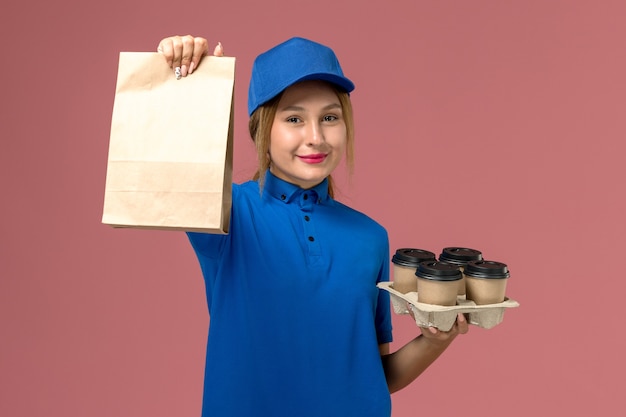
(287, 192)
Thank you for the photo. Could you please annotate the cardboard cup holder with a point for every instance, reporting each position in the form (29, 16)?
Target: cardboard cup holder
(443, 317)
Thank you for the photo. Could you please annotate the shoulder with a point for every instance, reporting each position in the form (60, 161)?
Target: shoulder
(247, 187)
(245, 192)
(242, 196)
(359, 219)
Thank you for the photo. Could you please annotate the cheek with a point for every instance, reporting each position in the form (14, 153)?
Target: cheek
(341, 141)
(274, 139)
(282, 140)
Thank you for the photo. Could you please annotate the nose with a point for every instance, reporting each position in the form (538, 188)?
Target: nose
(315, 134)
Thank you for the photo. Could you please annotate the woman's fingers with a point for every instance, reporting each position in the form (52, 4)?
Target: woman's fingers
(184, 53)
(462, 324)
(188, 44)
(199, 49)
(166, 47)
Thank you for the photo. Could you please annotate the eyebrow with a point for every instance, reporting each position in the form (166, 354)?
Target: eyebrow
(299, 108)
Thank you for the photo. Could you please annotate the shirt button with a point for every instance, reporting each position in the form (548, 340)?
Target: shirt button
(307, 218)
(283, 197)
(306, 196)
(311, 238)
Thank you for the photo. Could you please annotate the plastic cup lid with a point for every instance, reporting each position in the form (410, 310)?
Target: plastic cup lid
(460, 256)
(411, 257)
(438, 271)
(487, 269)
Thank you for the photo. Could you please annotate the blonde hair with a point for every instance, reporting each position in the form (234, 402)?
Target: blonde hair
(260, 128)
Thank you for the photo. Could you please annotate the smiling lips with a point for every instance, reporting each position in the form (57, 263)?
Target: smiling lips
(313, 158)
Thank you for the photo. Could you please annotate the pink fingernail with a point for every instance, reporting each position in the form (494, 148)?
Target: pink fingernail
(191, 67)
(183, 70)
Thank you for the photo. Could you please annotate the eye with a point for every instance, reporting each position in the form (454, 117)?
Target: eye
(293, 119)
(330, 118)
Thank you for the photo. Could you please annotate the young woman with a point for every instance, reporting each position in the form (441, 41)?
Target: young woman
(297, 324)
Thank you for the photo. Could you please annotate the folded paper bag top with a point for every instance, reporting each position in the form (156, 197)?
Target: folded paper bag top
(170, 166)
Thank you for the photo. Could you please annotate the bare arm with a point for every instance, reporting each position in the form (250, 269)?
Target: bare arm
(404, 365)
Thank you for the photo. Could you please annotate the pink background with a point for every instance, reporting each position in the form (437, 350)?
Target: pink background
(497, 125)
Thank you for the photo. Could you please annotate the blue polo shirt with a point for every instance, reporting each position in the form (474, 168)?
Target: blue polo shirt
(295, 314)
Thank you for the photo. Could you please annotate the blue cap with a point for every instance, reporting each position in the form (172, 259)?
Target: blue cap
(295, 60)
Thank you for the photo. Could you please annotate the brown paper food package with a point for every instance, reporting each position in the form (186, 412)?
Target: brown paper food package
(170, 149)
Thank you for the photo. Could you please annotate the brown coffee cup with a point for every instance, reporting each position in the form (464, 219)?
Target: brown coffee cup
(405, 262)
(437, 283)
(460, 257)
(485, 281)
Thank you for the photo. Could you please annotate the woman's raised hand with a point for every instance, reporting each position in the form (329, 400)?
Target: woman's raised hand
(186, 52)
